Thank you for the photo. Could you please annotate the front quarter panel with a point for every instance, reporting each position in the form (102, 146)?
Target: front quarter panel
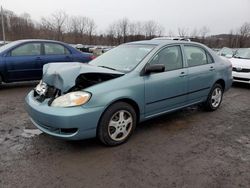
(130, 86)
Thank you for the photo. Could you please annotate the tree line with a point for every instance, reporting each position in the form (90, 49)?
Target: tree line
(79, 29)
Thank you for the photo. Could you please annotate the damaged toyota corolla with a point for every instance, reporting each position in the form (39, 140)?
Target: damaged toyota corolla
(127, 85)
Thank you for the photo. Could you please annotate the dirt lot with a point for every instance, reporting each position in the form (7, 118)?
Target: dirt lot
(188, 148)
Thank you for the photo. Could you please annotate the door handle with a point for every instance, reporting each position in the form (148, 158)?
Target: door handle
(183, 74)
(212, 68)
(38, 59)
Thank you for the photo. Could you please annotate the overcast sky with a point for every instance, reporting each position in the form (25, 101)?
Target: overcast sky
(220, 16)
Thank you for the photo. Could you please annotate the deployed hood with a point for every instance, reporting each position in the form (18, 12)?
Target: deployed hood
(63, 76)
(242, 63)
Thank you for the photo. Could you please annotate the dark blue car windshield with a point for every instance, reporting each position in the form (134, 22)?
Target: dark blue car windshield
(123, 58)
(9, 45)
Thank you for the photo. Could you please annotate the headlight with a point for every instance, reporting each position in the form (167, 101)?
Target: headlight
(72, 99)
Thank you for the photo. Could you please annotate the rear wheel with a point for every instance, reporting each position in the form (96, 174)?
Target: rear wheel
(1, 79)
(214, 98)
(117, 124)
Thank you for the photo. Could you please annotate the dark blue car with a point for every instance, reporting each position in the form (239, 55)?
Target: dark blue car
(23, 60)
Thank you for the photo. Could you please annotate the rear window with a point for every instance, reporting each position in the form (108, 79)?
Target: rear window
(55, 49)
(197, 56)
(27, 50)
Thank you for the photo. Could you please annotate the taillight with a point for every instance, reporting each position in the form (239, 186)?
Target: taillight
(92, 57)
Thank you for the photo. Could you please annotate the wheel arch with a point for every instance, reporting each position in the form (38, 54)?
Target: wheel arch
(126, 100)
(221, 82)
(131, 102)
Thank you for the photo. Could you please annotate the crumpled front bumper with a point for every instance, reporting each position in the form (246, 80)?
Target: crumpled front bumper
(72, 123)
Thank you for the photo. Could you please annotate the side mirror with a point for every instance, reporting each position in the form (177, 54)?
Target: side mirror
(155, 68)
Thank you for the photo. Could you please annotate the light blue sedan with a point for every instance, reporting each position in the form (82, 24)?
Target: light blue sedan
(127, 85)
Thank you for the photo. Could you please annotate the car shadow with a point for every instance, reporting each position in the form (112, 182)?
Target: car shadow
(241, 85)
(15, 85)
(166, 121)
(169, 119)
(87, 144)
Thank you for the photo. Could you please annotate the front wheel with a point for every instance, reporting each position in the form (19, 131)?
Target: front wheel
(117, 124)
(214, 98)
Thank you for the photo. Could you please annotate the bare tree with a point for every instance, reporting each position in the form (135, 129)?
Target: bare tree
(150, 28)
(111, 35)
(183, 32)
(204, 31)
(91, 27)
(232, 39)
(194, 33)
(244, 35)
(77, 26)
(80, 29)
(57, 23)
(123, 26)
(170, 33)
(153, 29)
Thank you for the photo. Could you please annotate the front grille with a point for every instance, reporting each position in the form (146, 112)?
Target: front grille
(241, 79)
(241, 70)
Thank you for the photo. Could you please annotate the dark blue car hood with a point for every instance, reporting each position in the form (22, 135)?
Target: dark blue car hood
(63, 75)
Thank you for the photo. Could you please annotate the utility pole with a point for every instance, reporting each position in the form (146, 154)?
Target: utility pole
(3, 29)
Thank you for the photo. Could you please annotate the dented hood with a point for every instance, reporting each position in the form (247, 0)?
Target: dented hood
(63, 75)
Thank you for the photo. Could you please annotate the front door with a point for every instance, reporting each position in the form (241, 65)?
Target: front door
(23, 62)
(167, 90)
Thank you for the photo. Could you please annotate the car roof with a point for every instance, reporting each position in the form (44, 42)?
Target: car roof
(161, 42)
(37, 40)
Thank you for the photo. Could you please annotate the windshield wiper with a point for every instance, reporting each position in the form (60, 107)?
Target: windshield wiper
(238, 57)
(107, 67)
(241, 57)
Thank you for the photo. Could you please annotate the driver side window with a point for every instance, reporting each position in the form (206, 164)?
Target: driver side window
(29, 49)
(171, 57)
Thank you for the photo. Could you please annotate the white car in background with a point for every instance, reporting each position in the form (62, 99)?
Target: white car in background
(241, 65)
(226, 52)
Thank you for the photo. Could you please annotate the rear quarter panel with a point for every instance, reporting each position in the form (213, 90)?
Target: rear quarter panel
(223, 70)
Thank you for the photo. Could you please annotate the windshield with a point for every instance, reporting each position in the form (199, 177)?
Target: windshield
(7, 46)
(123, 58)
(243, 53)
(228, 52)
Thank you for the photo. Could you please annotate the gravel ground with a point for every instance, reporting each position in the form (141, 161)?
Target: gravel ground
(188, 148)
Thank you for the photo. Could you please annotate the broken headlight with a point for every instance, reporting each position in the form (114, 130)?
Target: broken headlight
(41, 89)
(71, 99)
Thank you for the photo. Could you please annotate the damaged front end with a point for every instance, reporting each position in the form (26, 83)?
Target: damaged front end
(63, 83)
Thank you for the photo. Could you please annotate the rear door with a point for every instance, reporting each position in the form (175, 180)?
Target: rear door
(23, 62)
(201, 72)
(54, 52)
(166, 90)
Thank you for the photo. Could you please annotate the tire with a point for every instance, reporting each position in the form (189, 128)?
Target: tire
(1, 80)
(214, 99)
(117, 124)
